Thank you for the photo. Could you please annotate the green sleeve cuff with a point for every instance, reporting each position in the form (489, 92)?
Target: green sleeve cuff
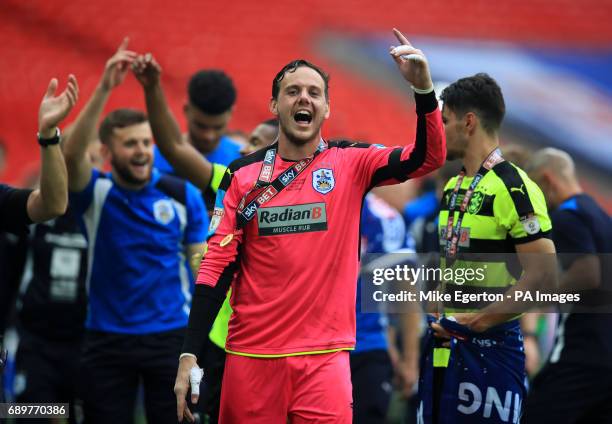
(217, 176)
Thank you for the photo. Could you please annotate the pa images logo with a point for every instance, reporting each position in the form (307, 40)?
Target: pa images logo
(163, 211)
(323, 180)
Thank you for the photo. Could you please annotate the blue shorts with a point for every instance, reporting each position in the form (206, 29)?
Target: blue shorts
(482, 379)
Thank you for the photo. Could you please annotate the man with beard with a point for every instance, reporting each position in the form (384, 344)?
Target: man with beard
(287, 240)
(183, 156)
(140, 226)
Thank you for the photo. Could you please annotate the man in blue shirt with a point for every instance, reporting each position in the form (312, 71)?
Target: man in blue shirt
(382, 231)
(575, 386)
(140, 225)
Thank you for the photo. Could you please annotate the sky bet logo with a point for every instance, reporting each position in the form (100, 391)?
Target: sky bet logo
(249, 211)
(292, 219)
(287, 177)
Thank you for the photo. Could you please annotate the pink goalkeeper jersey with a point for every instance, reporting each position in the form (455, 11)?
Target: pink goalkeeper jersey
(294, 265)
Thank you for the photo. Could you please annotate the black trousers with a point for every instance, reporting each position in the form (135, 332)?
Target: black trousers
(46, 371)
(570, 394)
(112, 365)
(371, 374)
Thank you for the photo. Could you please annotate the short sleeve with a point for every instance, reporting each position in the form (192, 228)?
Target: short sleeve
(160, 163)
(520, 207)
(572, 237)
(14, 216)
(218, 171)
(80, 201)
(197, 217)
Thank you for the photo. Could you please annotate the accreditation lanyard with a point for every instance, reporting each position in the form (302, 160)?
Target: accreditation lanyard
(264, 190)
(453, 230)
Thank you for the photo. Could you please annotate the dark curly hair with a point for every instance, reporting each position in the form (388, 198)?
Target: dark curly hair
(479, 94)
(211, 91)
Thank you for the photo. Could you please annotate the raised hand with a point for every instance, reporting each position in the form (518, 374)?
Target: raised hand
(117, 66)
(411, 62)
(53, 109)
(146, 70)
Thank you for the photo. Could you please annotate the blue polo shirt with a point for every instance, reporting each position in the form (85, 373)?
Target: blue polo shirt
(382, 231)
(224, 154)
(582, 227)
(138, 280)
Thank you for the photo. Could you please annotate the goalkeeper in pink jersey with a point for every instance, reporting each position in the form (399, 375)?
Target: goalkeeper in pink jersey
(285, 235)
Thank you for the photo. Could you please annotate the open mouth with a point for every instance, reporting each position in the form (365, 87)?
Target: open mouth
(139, 163)
(303, 117)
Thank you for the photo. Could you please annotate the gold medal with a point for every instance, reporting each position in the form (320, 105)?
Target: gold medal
(226, 240)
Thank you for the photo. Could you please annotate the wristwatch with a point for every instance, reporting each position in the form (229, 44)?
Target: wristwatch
(44, 142)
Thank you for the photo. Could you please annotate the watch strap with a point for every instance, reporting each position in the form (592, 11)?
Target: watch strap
(44, 142)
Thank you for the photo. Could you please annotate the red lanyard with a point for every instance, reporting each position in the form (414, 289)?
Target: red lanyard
(453, 231)
(263, 191)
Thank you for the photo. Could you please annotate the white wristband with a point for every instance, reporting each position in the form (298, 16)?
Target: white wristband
(421, 91)
(184, 355)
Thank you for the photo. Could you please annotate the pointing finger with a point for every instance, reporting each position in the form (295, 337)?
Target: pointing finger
(400, 37)
(124, 44)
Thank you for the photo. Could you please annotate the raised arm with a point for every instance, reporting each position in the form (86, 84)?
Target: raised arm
(412, 64)
(51, 199)
(83, 131)
(377, 165)
(183, 157)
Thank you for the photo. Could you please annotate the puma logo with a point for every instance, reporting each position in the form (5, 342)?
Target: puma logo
(512, 189)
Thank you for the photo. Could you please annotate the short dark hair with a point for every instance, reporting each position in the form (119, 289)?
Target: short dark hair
(291, 67)
(211, 91)
(119, 118)
(271, 122)
(479, 94)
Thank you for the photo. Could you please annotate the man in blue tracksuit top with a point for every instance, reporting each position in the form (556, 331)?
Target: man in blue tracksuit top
(140, 226)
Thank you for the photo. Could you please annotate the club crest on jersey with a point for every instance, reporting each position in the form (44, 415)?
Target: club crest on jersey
(475, 203)
(163, 211)
(323, 180)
